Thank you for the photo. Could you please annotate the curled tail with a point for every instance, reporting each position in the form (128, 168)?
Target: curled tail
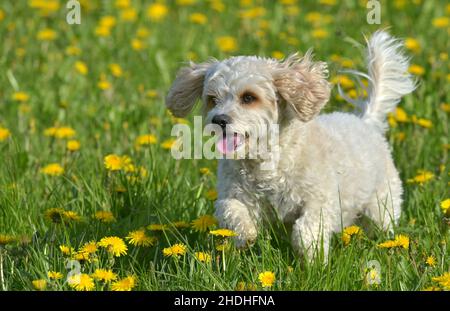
(389, 79)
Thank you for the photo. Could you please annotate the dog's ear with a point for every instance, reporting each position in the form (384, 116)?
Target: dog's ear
(303, 84)
(186, 89)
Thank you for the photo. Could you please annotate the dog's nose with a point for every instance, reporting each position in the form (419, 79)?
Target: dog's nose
(222, 120)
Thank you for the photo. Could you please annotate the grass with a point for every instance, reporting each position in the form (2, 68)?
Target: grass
(107, 121)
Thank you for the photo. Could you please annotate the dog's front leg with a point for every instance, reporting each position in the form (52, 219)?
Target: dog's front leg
(234, 215)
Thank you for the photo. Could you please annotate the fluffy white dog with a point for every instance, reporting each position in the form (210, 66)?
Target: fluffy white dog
(331, 168)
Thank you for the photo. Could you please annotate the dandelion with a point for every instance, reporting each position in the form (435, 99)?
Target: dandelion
(73, 145)
(129, 15)
(400, 115)
(277, 54)
(104, 216)
(139, 238)
(413, 45)
(6, 239)
(226, 44)
(175, 250)
(105, 275)
(223, 233)
(203, 223)
(203, 257)
(443, 280)
(416, 70)
(122, 4)
(114, 245)
(422, 177)
(73, 50)
(114, 162)
(81, 67)
(205, 171)
(71, 216)
(103, 84)
(168, 143)
(81, 282)
(157, 11)
(66, 250)
(441, 22)
(46, 34)
(145, 140)
(142, 32)
(266, 278)
(424, 123)
(137, 44)
(20, 96)
(319, 33)
(157, 227)
(400, 241)
(116, 70)
(431, 261)
(445, 207)
(89, 247)
(125, 284)
(445, 107)
(39, 284)
(54, 275)
(198, 18)
(4, 133)
(180, 224)
(211, 195)
(344, 81)
(349, 232)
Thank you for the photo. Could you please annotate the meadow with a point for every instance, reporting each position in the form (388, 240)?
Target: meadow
(91, 198)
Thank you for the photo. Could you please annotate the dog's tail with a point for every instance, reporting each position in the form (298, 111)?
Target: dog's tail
(389, 79)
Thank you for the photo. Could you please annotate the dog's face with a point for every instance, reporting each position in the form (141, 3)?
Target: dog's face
(245, 95)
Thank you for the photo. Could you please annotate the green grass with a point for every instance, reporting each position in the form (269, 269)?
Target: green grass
(109, 121)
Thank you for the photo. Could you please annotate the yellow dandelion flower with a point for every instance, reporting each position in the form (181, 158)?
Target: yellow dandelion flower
(443, 280)
(441, 22)
(203, 223)
(432, 289)
(104, 216)
(413, 45)
(226, 44)
(81, 282)
(319, 33)
(137, 44)
(185, 2)
(157, 227)
(416, 70)
(198, 18)
(266, 278)
(82, 256)
(211, 195)
(71, 216)
(128, 15)
(39, 284)
(81, 67)
(4, 133)
(139, 238)
(144, 140)
(142, 32)
(422, 177)
(102, 31)
(445, 207)
(66, 250)
(278, 54)
(2, 14)
(46, 34)
(157, 11)
(54, 275)
(431, 261)
(65, 132)
(400, 241)
(125, 284)
(175, 250)
(344, 81)
(114, 245)
(445, 107)
(168, 143)
(180, 224)
(89, 247)
(105, 275)
(6, 239)
(203, 257)
(20, 96)
(205, 171)
(103, 84)
(116, 70)
(223, 233)
(53, 169)
(114, 162)
(73, 145)
(400, 115)
(424, 123)
(73, 50)
(108, 21)
(122, 4)
(349, 232)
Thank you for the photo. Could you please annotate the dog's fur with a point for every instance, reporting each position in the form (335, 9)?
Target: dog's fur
(332, 167)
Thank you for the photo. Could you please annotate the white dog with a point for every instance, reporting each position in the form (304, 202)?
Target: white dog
(332, 167)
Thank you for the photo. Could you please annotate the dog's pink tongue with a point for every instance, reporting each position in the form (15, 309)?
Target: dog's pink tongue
(228, 144)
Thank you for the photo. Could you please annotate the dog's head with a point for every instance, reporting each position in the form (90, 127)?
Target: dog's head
(245, 94)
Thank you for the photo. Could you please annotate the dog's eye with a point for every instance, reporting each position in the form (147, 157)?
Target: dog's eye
(212, 100)
(248, 98)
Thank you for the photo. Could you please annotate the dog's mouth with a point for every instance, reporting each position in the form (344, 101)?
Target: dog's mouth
(230, 142)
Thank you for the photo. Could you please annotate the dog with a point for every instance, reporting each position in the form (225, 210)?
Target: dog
(332, 168)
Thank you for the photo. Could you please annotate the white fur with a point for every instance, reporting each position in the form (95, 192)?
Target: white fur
(332, 167)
